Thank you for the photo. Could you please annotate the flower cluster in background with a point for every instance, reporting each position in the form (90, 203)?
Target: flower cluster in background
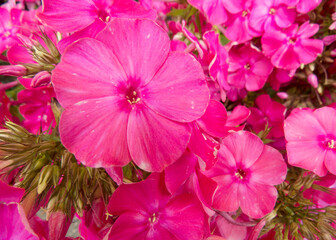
(168, 119)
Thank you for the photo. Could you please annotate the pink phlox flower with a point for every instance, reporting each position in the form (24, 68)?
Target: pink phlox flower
(238, 25)
(36, 109)
(58, 14)
(246, 172)
(145, 94)
(311, 139)
(248, 68)
(291, 47)
(148, 211)
(214, 10)
(266, 14)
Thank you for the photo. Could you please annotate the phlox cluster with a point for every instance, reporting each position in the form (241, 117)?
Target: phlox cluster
(197, 111)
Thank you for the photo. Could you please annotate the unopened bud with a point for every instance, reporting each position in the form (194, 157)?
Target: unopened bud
(282, 95)
(13, 70)
(313, 81)
(41, 79)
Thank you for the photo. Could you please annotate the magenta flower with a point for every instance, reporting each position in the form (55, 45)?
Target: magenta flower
(148, 211)
(268, 14)
(135, 99)
(304, 6)
(311, 137)
(248, 68)
(292, 47)
(246, 172)
(59, 14)
(8, 28)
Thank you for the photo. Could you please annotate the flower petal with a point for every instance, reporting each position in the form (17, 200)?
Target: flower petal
(141, 46)
(178, 90)
(88, 69)
(155, 142)
(95, 131)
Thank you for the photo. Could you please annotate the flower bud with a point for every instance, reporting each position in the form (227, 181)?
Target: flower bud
(313, 81)
(41, 79)
(13, 70)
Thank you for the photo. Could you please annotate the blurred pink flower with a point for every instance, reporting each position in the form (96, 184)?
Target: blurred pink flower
(311, 139)
(291, 47)
(268, 14)
(246, 172)
(248, 68)
(133, 102)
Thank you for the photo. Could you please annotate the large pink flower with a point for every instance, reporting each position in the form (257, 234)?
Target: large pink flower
(148, 211)
(246, 172)
(311, 137)
(292, 47)
(126, 96)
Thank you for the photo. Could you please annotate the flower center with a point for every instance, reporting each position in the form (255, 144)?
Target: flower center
(240, 173)
(245, 13)
(247, 66)
(271, 11)
(103, 15)
(292, 40)
(153, 218)
(132, 95)
(328, 142)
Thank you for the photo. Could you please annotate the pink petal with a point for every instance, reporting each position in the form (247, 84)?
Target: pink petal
(229, 230)
(177, 173)
(226, 196)
(87, 132)
(205, 188)
(178, 90)
(215, 11)
(284, 16)
(238, 116)
(203, 146)
(305, 6)
(129, 226)
(325, 116)
(60, 14)
(74, 81)
(255, 82)
(329, 161)
(155, 142)
(307, 155)
(143, 197)
(214, 119)
(244, 146)
(298, 130)
(309, 50)
(141, 46)
(10, 194)
(286, 57)
(116, 173)
(14, 223)
(90, 31)
(270, 168)
(130, 9)
(256, 200)
(307, 30)
(271, 41)
(184, 217)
